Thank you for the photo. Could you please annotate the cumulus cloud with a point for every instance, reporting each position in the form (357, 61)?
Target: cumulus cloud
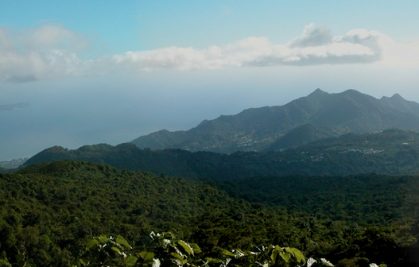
(52, 51)
(53, 36)
(316, 45)
(313, 36)
(48, 51)
(213, 57)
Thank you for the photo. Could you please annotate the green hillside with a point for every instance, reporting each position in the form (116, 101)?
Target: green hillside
(49, 211)
(391, 152)
(279, 127)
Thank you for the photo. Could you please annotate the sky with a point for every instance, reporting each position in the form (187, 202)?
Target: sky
(85, 72)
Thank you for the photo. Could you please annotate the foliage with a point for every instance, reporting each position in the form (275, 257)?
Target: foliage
(391, 152)
(167, 250)
(277, 127)
(48, 212)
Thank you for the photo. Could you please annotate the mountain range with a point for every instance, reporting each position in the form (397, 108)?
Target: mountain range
(306, 119)
(393, 152)
(334, 174)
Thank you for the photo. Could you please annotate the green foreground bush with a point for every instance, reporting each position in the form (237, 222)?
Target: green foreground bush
(167, 250)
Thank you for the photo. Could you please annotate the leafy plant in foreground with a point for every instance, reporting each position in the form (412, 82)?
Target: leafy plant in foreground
(167, 250)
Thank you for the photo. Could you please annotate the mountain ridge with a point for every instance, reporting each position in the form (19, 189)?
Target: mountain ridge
(391, 152)
(258, 129)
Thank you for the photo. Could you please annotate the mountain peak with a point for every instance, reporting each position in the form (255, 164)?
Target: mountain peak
(257, 129)
(397, 97)
(56, 149)
(394, 98)
(318, 91)
(352, 92)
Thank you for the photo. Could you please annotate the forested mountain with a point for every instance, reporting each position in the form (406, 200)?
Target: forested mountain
(326, 178)
(298, 136)
(320, 114)
(48, 212)
(392, 152)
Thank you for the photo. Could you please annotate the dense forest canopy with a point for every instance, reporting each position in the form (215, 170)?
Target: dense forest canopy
(391, 152)
(209, 133)
(49, 212)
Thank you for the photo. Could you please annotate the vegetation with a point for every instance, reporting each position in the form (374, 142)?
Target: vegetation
(167, 250)
(49, 212)
(279, 127)
(373, 199)
(392, 152)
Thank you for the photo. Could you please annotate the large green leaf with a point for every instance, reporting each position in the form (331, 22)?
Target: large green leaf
(147, 256)
(120, 240)
(116, 250)
(286, 256)
(186, 247)
(227, 253)
(103, 239)
(130, 261)
(297, 254)
(178, 258)
(92, 244)
(195, 248)
(274, 253)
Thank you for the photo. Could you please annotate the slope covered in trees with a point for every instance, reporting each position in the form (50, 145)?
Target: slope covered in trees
(392, 152)
(267, 128)
(48, 212)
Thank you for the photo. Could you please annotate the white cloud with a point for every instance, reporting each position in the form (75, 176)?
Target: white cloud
(399, 54)
(315, 46)
(4, 42)
(213, 57)
(48, 51)
(313, 36)
(52, 51)
(53, 36)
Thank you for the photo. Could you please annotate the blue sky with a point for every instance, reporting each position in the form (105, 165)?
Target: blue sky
(82, 72)
(128, 25)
